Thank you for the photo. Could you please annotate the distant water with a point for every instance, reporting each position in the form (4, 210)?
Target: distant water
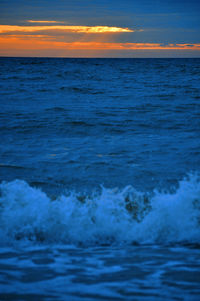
(99, 179)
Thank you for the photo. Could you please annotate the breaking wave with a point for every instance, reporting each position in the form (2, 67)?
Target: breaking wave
(112, 216)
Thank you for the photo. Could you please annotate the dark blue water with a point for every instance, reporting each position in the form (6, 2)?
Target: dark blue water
(99, 162)
(79, 123)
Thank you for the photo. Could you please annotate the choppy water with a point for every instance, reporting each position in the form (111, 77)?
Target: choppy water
(99, 171)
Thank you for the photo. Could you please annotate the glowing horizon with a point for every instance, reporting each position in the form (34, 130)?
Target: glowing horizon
(30, 45)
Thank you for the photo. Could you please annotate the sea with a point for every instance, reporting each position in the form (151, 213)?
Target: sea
(99, 179)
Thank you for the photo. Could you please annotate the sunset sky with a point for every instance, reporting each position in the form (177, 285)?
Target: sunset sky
(100, 28)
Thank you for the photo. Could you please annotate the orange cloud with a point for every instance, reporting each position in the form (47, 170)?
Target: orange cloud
(126, 46)
(5, 29)
(42, 21)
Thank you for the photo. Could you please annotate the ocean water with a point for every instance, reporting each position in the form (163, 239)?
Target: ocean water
(99, 179)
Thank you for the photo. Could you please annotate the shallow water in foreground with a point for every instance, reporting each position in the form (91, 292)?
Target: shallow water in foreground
(100, 273)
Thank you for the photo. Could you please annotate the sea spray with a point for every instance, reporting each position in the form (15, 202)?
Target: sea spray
(112, 216)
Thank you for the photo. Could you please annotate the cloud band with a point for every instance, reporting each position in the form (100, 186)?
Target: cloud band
(5, 29)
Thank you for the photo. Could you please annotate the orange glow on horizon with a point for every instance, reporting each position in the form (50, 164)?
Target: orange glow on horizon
(41, 45)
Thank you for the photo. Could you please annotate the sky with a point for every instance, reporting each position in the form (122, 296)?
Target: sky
(100, 28)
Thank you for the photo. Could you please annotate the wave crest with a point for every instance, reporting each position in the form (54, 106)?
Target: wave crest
(111, 216)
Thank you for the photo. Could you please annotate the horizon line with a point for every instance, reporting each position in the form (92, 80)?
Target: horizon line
(98, 57)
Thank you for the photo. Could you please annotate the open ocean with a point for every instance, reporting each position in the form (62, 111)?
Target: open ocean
(99, 179)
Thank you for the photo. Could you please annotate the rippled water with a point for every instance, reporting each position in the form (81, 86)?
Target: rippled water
(100, 273)
(99, 171)
(78, 123)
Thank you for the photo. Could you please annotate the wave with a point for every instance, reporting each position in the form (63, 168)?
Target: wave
(111, 216)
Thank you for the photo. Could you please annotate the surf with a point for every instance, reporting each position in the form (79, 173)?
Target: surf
(109, 216)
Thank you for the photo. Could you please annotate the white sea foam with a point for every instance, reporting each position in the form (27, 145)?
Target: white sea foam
(112, 216)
